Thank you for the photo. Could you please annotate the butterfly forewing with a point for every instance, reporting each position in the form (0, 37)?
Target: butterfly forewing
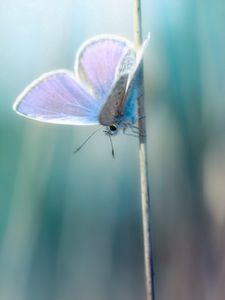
(97, 63)
(110, 110)
(56, 97)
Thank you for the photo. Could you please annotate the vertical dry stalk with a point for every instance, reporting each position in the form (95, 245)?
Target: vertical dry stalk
(145, 199)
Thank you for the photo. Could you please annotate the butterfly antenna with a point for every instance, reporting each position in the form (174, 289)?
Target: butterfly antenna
(87, 139)
(113, 153)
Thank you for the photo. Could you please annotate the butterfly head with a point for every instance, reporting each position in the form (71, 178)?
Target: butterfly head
(111, 129)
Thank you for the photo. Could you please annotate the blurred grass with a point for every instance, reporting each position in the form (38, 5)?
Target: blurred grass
(70, 225)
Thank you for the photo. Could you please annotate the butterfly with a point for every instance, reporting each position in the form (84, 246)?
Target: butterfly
(102, 90)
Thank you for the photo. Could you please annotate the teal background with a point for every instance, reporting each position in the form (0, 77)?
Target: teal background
(70, 225)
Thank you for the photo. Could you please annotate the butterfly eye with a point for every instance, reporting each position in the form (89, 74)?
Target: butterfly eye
(113, 127)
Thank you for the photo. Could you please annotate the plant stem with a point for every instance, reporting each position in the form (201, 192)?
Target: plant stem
(145, 198)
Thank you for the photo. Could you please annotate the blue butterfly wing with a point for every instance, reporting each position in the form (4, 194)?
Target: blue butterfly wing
(97, 63)
(57, 97)
(133, 90)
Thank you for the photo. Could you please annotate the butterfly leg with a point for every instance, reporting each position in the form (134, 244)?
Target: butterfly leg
(141, 117)
(131, 134)
(134, 130)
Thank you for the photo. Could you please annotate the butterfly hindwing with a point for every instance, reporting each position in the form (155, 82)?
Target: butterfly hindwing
(133, 89)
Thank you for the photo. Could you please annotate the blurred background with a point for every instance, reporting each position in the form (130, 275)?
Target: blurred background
(70, 225)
